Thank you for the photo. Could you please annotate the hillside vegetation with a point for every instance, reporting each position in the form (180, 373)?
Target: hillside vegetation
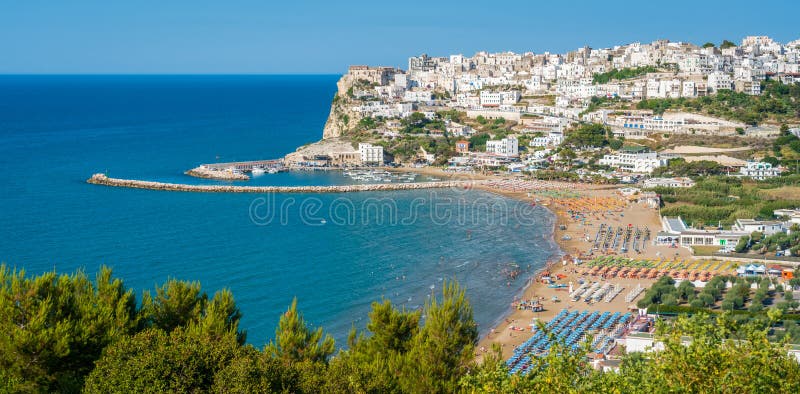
(66, 333)
(721, 200)
(778, 102)
(623, 73)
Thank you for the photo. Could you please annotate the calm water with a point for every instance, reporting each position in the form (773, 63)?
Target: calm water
(55, 131)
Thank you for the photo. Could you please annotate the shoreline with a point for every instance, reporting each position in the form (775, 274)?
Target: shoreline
(530, 281)
(511, 329)
(551, 260)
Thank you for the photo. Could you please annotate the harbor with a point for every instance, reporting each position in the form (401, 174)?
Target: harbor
(237, 171)
(381, 175)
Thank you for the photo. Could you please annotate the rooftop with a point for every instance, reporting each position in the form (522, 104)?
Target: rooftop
(675, 224)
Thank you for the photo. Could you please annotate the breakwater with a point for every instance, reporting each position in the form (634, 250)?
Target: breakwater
(223, 175)
(102, 179)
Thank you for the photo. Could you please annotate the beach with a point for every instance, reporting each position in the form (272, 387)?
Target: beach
(514, 328)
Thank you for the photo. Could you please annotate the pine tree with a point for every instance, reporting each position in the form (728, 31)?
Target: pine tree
(294, 341)
(175, 304)
(442, 352)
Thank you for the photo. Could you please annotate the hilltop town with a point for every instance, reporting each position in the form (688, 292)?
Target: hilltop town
(708, 135)
(606, 115)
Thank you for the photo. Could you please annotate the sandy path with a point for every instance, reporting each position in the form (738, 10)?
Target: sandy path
(689, 149)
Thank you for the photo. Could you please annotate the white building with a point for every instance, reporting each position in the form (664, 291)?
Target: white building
(656, 123)
(751, 225)
(401, 81)
(370, 154)
(750, 87)
(459, 130)
(554, 138)
(539, 142)
(792, 214)
(759, 171)
(689, 89)
(508, 146)
(719, 80)
(668, 182)
(496, 99)
(418, 96)
(634, 162)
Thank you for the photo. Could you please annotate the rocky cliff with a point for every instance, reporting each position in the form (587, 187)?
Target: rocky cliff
(341, 118)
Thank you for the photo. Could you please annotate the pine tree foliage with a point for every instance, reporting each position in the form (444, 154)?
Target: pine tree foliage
(67, 333)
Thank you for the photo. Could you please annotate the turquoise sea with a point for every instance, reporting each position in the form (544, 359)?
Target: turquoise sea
(56, 131)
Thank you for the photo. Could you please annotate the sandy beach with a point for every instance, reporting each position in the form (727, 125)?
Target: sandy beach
(571, 235)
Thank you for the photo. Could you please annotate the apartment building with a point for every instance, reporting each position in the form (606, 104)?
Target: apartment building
(759, 170)
(508, 146)
(718, 81)
(370, 154)
(496, 99)
(636, 162)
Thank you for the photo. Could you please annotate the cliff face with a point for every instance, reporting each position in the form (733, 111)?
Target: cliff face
(341, 118)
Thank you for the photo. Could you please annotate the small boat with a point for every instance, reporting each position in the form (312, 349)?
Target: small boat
(272, 171)
(323, 221)
(258, 171)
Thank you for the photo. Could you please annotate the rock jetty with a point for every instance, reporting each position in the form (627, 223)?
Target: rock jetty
(102, 179)
(208, 173)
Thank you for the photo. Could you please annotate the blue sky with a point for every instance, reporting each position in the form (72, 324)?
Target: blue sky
(199, 36)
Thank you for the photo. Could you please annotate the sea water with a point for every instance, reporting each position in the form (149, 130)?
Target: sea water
(337, 253)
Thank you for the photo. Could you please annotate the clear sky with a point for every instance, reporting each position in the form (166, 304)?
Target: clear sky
(296, 36)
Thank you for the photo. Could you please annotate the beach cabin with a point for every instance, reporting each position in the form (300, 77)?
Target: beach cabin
(775, 270)
(751, 270)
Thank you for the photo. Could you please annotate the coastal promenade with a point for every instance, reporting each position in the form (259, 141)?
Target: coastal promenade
(102, 179)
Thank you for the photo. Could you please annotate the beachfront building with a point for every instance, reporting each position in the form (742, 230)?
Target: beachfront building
(668, 182)
(675, 232)
(508, 146)
(370, 154)
(490, 160)
(345, 158)
(635, 160)
(759, 170)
